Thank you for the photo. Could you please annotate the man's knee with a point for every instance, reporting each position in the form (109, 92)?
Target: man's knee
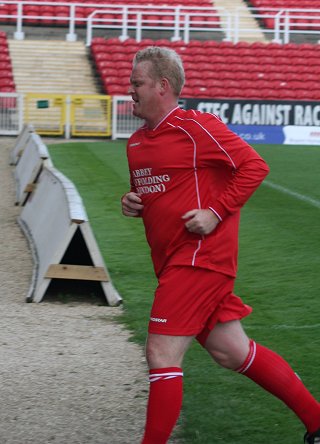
(166, 351)
(156, 354)
(228, 360)
(228, 345)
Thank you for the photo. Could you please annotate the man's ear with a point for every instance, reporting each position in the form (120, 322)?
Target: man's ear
(164, 86)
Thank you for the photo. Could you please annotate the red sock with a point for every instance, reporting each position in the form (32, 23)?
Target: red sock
(164, 404)
(274, 374)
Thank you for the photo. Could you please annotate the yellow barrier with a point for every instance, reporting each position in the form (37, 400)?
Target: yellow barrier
(46, 112)
(69, 114)
(90, 115)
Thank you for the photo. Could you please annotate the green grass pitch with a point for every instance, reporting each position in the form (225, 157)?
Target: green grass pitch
(278, 276)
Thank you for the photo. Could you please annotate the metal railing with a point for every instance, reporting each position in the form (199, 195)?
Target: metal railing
(180, 21)
(68, 115)
(281, 24)
(11, 113)
(183, 22)
(293, 21)
(122, 17)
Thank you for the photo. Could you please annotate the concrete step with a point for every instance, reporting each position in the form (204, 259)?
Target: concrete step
(52, 66)
(246, 21)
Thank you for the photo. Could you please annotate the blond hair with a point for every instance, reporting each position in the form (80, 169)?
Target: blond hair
(165, 63)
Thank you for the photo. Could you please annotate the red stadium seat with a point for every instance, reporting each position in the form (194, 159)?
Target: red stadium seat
(6, 74)
(264, 71)
(8, 88)
(5, 57)
(109, 72)
(218, 83)
(315, 94)
(116, 89)
(200, 91)
(196, 82)
(269, 94)
(287, 94)
(81, 16)
(304, 22)
(187, 92)
(233, 93)
(298, 85)
(124, 73)
(99, 41)
(49, 12)
(4, 10)
(192, 68)
(5, 65)
(146, 42)
(7, 82)
(211, 44)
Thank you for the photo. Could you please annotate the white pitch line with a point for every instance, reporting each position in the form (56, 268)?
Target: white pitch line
(307, 199)
(282, 327)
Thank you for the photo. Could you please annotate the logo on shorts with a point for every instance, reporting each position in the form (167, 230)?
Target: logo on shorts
(163, 321)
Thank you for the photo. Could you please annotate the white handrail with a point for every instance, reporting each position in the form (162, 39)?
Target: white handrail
(71, 37)
(284, 26)
(277, 27)
(178, 20)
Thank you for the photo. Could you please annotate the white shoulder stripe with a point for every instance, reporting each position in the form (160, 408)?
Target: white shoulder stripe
(211, 136)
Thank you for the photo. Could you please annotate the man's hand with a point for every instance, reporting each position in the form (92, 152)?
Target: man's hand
(200, 221)
(131, 204)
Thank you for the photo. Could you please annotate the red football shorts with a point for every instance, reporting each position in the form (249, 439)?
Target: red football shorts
(190, 301)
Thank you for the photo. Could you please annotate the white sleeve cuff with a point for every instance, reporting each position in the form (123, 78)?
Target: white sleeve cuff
(215, 213)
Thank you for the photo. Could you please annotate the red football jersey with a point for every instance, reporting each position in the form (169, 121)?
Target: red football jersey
(191, 160)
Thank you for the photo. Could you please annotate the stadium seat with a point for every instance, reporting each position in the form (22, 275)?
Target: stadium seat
(235, 93)
(200, 91)
(83, 11)
(287, 94)
(4, 10)
(187, 92)
(48, 12)
(5, 65)
(4, 57)
(7, 89)
(218, 83)
(109, 72)
(81, 16)
(269, 94)
(307, 95)
(271, 71)
(195, 82)
(298, 20)
(6, 82)
(162, 42)
(116, 89)
(6, 74)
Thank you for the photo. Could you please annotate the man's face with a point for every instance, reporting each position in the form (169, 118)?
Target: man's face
(144, 91)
